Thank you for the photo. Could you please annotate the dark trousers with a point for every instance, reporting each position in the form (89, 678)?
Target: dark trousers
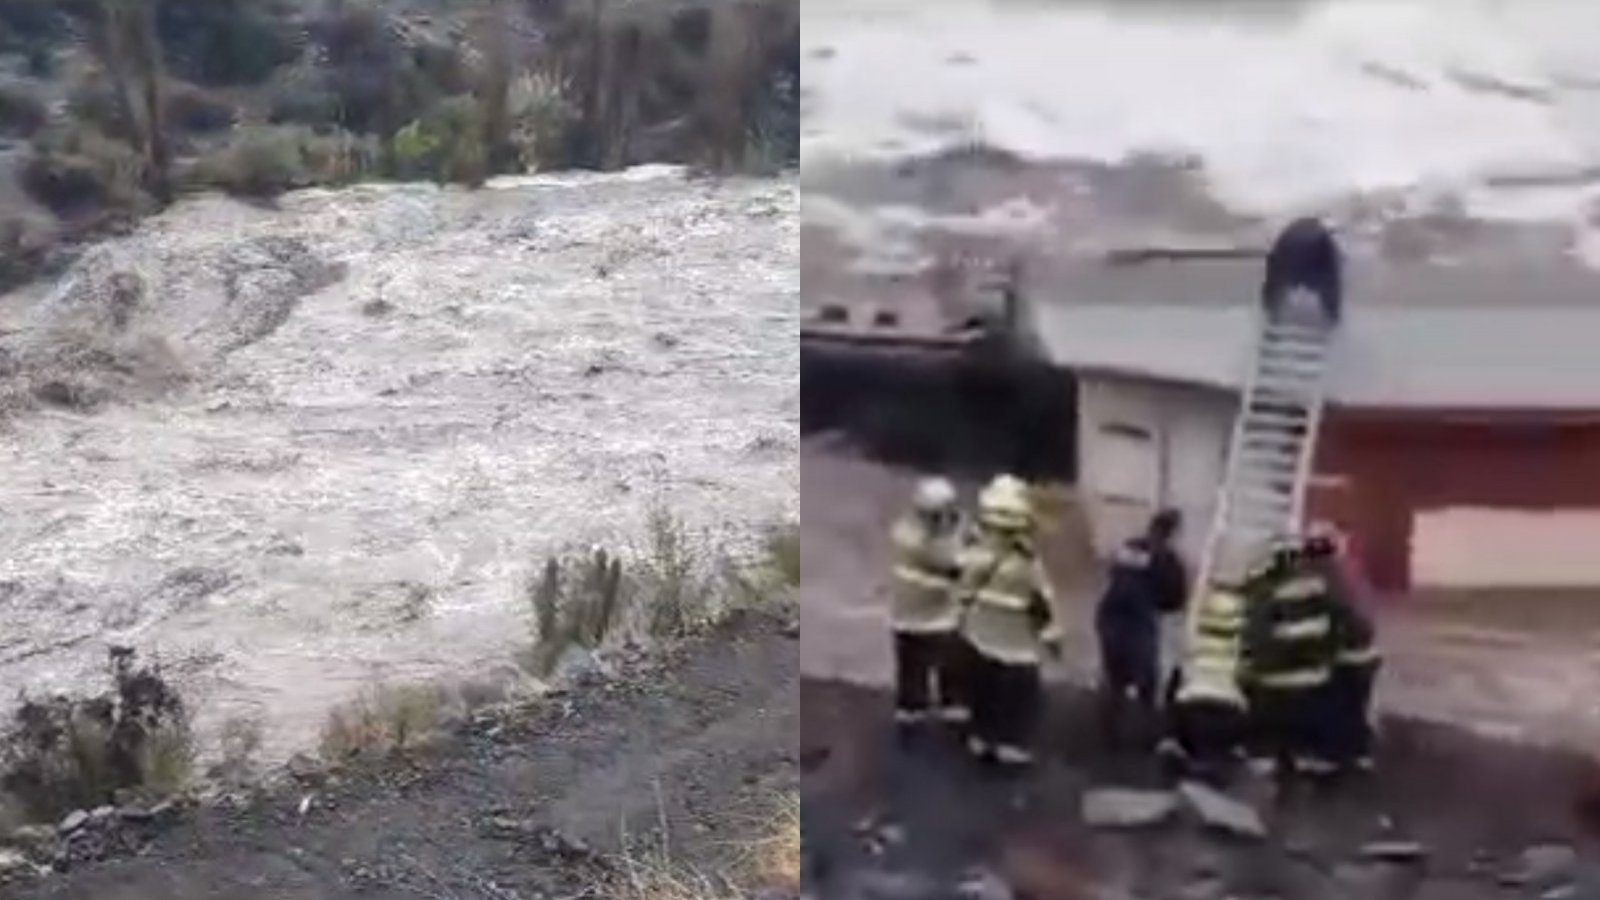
(1209, 732)
(931, 676)
(1129, 667)
(1350, 724)
(1285, 724)
(1005, 707)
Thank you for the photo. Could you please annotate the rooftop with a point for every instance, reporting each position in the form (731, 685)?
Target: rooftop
(1417, 335)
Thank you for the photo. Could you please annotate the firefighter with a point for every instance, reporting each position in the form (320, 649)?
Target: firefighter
(1147, 580)
(1348, 724)
(1305, 257)
(924, 612)
(1008, 624)
(1206, 709)
(1288, 652)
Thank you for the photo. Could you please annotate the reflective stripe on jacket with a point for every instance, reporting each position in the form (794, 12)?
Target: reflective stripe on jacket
(924, 574)
(1009, 616)
(1211, 669)
(1290, 639)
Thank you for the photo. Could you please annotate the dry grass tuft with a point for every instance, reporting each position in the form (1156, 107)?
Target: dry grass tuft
(385, 721)
(773, 861)
(770, 862)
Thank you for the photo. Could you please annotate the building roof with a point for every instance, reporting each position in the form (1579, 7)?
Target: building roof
(1421, 336)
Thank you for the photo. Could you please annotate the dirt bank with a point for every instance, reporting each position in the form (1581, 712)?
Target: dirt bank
(882, 821)
(528, 806)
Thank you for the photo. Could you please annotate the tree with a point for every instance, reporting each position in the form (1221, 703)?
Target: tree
(498, 72)
(124, 37)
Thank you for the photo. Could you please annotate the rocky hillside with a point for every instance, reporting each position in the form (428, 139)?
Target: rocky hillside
(109, 109)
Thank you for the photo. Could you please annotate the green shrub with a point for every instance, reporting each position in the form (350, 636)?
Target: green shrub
(445, 145)
(266, 161)
(542, 116)
(76, 170)
(63, 753)
(676, 586)
(261, 162)
(93, 101)
(22, 113)
(577, 601)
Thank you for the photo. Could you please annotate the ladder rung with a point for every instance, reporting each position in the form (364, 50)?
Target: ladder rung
(1289, 330)
(1263, 522)
(1293, 344)
(1261, 421)
(1263, 489)
(1275, 370)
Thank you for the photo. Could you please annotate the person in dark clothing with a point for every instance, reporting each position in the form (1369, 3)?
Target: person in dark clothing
(1289, 647)
(1347, 723)
(1305, 256)
(1147, 581)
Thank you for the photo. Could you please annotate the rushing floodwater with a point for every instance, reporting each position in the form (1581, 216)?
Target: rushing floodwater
(1285, 103)
(398, 399)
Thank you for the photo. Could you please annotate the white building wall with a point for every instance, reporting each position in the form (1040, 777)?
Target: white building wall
(1143, 445)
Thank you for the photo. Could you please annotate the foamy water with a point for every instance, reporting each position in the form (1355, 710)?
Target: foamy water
(1286, 104)
(358, 492)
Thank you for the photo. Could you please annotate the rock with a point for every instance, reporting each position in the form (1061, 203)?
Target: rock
(139, 812)
(1547, 863)
(102, 814)
(74, 821)
(983, 884)
(1222, 812)
(1123, 808)
(578, 666)
(303, 768)
(877, 884)
(13, 862)
(1394, 851)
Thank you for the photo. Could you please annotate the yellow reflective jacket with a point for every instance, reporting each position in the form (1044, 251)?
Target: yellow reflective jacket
(1213, 663)
(1009, 606)
(924, 575)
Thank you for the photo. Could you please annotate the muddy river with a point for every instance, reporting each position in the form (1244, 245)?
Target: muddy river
(329, 441)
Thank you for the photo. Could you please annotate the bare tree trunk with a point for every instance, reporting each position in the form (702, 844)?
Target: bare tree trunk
(130, 50)
(146, 44)
(497, 75)
(110, 37)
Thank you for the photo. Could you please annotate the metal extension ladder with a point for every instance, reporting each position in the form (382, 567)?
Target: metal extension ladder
(1271, 452)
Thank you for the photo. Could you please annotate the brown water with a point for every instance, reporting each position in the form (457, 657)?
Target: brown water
(345, 491)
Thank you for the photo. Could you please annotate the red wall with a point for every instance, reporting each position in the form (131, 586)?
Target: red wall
(1396, 465)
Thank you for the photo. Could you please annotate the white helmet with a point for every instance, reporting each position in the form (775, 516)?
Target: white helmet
(1005, 505)
(935, 495)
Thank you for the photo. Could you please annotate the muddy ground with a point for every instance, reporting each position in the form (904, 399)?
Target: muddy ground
(1490, 820)
(1473, 699)
(702, 739)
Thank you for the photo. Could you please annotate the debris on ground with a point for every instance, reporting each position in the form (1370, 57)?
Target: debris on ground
(1394, 851)
(1125, 808)
(1219, 811)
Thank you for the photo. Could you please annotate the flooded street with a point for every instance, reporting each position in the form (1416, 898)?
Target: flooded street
(1427, 132)
(331, 441)
(1284, 105)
